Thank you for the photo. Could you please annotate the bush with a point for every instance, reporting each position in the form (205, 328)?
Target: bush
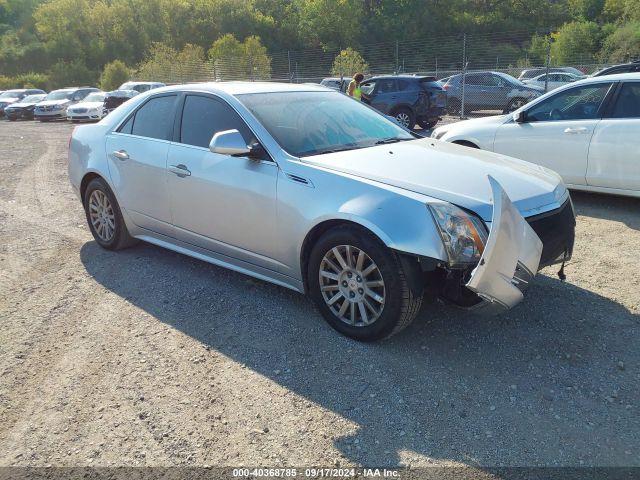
(24, 80)
(349, 62)
(32, 80)
(114, 74)
(71, 74)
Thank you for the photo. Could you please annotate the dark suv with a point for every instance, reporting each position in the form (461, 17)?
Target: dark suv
(623, 68)
(410, 99)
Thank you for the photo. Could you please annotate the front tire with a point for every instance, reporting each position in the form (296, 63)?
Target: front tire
(104, 217)
(405, 117)
(361, 286)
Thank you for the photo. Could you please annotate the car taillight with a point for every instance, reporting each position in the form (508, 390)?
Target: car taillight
(446, 86)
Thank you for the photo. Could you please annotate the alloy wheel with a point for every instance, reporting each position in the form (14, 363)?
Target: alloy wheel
(352, 285)
(403, 119)
(102, 216)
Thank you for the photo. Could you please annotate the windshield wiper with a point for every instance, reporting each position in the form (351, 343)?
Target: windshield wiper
(330, 150)
(390, 140)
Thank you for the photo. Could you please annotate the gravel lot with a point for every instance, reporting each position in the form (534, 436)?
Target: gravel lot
(147, 357)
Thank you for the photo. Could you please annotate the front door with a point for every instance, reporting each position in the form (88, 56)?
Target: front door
(221, 203)
(614, 156)
(557, 131)
(137, 159)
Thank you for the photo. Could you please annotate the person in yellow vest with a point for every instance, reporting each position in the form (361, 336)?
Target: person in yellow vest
(354, 87)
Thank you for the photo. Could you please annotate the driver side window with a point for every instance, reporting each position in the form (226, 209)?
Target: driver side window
(580, 103)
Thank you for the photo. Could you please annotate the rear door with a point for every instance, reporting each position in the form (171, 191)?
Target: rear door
(557, 131)
(137, 158)
(614, 155)
(221, 203)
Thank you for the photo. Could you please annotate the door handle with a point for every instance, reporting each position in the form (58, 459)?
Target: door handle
(121, 155)
(180, 170)
(574, 131)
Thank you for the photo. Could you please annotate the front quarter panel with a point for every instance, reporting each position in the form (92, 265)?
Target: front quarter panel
(399, 218)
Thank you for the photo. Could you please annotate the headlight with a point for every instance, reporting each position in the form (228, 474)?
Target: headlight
(464, 235)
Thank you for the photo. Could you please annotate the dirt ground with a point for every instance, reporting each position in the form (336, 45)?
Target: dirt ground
(147, 357)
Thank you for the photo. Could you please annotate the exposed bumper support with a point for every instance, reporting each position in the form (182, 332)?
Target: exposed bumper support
(511, 256)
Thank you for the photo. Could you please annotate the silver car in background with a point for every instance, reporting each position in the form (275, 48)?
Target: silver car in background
(307, 188)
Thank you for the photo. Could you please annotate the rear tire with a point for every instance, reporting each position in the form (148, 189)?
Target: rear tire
(104, 217)
(377, 283)
(426, 124)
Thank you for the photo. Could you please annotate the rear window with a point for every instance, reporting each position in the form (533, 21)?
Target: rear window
(153, 120)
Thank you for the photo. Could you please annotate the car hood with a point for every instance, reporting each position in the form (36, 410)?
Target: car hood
(21, 105)
(451, 173)
(88, 105)
(8, 101)
(46, 103)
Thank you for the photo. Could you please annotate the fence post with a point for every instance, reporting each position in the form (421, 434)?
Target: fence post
(289, 59)
(546, 77)
(397, 58)
(464, 72)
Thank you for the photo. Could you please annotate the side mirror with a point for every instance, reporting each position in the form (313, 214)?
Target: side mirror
(520, 117)
(229, 142)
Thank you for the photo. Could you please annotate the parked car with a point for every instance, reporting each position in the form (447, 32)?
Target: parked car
(487, 91)
(12, 96)
(306, 188)
(23, 108)
(55, 104)
(410, 99)
(587, 131)
(115, 98)
(141, 87)
(336, 83)
(623, 68)
(529, 73)
(552, 80)
(89, 109)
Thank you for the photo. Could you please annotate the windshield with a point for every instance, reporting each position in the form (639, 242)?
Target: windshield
(59, 95)
(95, 97)
(311, 123)
(12, 94)
(33, 98)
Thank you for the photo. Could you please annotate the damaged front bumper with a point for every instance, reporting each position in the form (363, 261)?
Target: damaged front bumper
(510, 259)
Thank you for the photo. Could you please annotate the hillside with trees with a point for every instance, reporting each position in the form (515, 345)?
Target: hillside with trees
(50, 43)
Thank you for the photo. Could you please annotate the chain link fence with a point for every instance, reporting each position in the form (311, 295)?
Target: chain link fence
(480, 72)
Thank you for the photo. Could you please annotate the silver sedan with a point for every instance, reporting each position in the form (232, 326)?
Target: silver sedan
(307, 188)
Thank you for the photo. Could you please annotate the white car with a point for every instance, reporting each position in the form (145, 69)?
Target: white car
(90, 109)
(587, 131)
(555, 80)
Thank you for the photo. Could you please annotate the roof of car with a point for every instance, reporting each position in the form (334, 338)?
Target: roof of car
(615, 76)
(403, 76)
(239, 88)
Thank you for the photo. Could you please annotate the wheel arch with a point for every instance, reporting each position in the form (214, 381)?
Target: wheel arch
(324, 226)
(86, 179)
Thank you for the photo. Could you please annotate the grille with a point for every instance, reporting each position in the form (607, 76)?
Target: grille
(556, 229)
(79, 110)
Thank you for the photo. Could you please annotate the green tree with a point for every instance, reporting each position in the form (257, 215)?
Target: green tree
(113, 75)
(575, 43)
(349, 62)
(70, 74)
(168, 65)
(623, 44)
(235, 60)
